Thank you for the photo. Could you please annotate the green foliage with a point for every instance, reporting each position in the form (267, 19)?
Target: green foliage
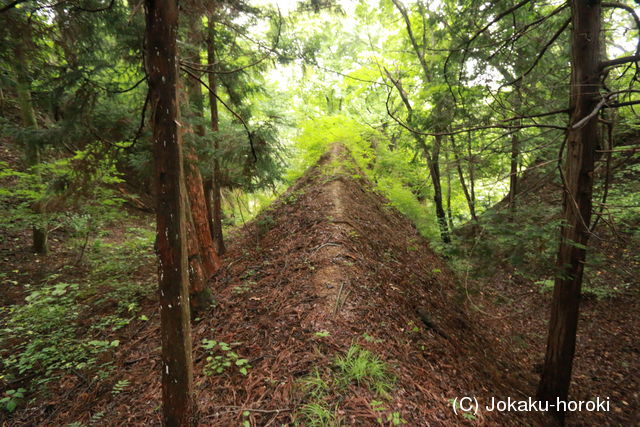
(48, 335)
(393, 418)
(44, 337)
(364, 368)
(528, 243)
(75, 193)
(221, 357)
(545, 285)
(11, 399)
(598, 291)
(120, 386)
(318, 415)
(317, 134)
(359, 367)
(244, 287)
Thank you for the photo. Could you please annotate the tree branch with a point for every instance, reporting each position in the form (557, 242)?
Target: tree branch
(619, 61)
(236, 115)
(11, 5)
(633, 14)
(542, 52)
(471, 129)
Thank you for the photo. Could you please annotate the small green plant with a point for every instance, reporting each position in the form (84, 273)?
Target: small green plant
(313, 386)
(364, 368)
(221, 357)
(319, 388)
(545, 285)
(318, 415)
(393, 418)
(43, 333)
(245, 419)
(369, 338)
(12, 398)
(322, 334)
(96, 417)
(120, 386)
(293, 197)
(412, 327)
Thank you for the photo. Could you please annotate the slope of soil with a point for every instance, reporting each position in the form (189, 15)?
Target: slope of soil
(330, 265)
(516, 306)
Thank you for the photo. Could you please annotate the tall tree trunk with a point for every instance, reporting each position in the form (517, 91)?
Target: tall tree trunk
(515, 156)
(201, 246)
(162, 70)
(434, 168)
(472, 171)
(463, 182)
(32, 149)
(513, 174)
(449, 214)
(581, 145)
(216, 194)
(432, 159)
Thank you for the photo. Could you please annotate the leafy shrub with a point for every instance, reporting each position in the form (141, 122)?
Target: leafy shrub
(74, 193)
(221, 357)
(45, 337)
(11, 399)
(42, 338)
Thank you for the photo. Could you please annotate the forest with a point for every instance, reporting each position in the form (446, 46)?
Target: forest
(319, 212)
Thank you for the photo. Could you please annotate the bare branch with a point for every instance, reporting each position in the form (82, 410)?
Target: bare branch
(496, 19)
(619, 61)
(622, 104)
(471, 129)
(534, 116)
(542, 52)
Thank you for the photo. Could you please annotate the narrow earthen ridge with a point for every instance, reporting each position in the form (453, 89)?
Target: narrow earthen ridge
(333, 279)
(331, 264)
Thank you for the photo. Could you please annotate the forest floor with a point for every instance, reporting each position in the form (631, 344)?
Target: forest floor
(326, 295)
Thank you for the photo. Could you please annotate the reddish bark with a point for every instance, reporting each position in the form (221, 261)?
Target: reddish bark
(203, 259)
(199, 212)
(214, 185)
(197, 275)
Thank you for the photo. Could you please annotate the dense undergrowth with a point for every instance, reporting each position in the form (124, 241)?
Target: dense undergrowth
(71, 319)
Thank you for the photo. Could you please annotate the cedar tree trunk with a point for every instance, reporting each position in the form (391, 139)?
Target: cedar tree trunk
(215, 188)
(201, 246)
(581, 146)
(178, 405)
